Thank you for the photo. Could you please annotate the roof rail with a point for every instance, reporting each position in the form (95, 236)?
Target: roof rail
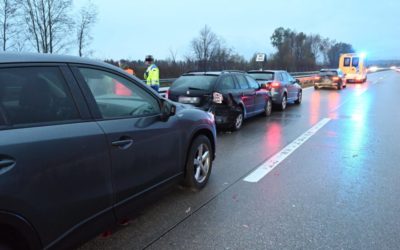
(232, 71)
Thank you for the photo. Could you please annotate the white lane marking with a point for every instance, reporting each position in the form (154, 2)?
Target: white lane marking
(279, 157)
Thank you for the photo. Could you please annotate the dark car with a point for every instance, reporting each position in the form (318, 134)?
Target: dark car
(231, 95)
(330, 78)
(83, 144)
(284, 88)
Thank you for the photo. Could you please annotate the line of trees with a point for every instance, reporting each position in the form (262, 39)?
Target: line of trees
(44, 26)
(295, 51)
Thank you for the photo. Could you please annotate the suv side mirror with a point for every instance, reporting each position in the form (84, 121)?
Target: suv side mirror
(297, 81)
(167, 110)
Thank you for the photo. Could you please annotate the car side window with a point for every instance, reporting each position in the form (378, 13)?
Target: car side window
(242, 82)
(35, 95)
(279, 77)
(118, 97)
(226, 83)
(253, 83)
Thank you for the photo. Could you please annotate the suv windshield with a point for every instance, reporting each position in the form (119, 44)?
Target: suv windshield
(200, 82)
(263, 76)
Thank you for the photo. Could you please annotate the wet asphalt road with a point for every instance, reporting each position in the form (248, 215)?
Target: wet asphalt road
(338, 190)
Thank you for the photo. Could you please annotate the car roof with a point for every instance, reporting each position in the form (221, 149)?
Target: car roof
(49, 58)
(216, 73)
(265, 71)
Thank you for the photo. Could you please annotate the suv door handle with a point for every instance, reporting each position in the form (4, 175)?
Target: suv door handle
(123, 143)
(6, 165)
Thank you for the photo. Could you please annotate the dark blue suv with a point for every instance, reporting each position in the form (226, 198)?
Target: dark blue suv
(83, 143)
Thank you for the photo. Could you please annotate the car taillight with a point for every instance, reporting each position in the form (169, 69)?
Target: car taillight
(167, 94)
(275, 85)
(335, 78)
(217, 98)
(317, 78)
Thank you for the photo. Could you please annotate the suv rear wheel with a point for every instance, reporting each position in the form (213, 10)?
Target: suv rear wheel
(283, 103)
(299, 97)
(238, 122)
(199, 163)
(268, 108)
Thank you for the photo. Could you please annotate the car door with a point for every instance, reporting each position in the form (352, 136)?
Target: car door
(54, 163)
(292, 88)
(145, 150)
(261, 94)
(247, 94)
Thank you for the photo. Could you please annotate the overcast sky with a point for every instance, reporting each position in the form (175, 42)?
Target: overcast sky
(133, 29)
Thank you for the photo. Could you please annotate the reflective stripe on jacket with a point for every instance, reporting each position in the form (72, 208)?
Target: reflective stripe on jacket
(152, 75)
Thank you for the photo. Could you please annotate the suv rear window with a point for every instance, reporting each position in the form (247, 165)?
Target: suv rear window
(201, 82)
(263, 76)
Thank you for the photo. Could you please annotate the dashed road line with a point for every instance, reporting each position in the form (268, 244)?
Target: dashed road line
(275, 160)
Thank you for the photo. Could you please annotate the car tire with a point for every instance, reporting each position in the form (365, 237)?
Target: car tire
(339, 87)
(268, 108)
(238, 122)
(283, 104)
(315, 87)
(198, 163)
(299, 97)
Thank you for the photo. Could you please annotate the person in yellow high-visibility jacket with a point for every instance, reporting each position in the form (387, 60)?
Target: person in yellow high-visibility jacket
(152, 74)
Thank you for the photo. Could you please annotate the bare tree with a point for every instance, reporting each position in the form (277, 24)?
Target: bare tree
(205, 47)
(173, 55)
(8, 22)
(48, 23)
(87, 18)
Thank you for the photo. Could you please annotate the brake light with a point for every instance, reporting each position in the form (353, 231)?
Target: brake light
(218, 98)
(275, 85)
(317, 78)
(167, 94)
(335, 78)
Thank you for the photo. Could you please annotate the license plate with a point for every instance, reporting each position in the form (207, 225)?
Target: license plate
(189, 100)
